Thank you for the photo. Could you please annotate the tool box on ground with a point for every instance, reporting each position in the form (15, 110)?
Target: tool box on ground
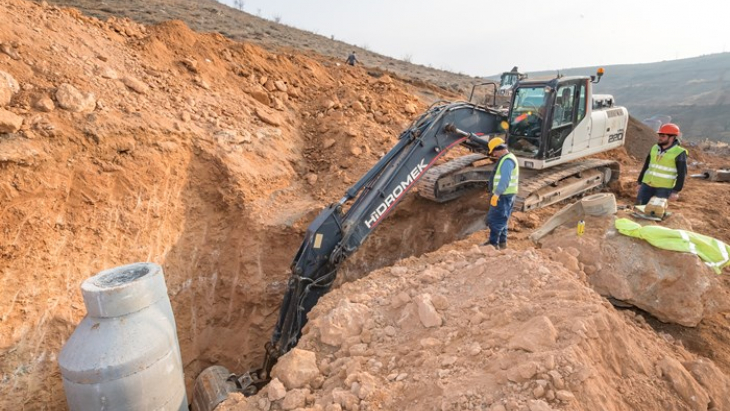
(655, 209)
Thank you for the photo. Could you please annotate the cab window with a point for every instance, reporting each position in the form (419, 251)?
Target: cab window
(528, 111)
(564, 105)
(582, 102)
(526, 120)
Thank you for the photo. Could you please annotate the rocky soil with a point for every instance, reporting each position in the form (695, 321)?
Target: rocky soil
(212, 16)
(124, 142)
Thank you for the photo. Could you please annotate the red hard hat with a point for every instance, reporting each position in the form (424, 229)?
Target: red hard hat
(669, 128)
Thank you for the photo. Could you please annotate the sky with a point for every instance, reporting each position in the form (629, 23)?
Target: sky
(482, 37)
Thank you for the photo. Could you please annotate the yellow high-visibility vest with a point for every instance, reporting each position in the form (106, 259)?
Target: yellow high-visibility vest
(514, 177)
(662, 171)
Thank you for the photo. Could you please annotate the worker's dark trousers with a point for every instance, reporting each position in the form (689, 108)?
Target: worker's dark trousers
(646, 192)
(497, 218)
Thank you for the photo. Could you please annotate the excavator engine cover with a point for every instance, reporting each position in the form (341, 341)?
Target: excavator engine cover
(212, 387)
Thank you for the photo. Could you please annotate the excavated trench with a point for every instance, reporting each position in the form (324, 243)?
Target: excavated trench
(237, 269)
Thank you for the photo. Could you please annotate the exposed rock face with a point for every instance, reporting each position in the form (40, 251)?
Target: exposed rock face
(71, 99)
(268, 117)
(9, 121)
(8, 87)
(136, 85)
(296, 369)
(427, 312)
(341, 323)
(43, 103)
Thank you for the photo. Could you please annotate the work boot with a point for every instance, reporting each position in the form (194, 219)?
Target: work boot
(502, 246)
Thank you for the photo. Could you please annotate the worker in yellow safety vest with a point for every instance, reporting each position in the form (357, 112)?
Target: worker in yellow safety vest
(504, 190)
(665, 167)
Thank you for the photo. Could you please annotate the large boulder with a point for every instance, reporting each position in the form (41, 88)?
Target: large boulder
(344, 321)
(674, 287)
(296, 369)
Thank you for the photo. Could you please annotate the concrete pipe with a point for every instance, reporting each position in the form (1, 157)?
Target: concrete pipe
(599, 204)
(124, 355)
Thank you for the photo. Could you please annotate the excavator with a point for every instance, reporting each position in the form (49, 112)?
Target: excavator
(551, 125)
(508, 80)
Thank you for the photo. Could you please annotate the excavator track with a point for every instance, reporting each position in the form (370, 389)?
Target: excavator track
(538, 188)
(431, 188)
(546, 187)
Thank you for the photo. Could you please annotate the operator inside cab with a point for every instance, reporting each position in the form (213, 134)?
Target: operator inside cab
(527, 118)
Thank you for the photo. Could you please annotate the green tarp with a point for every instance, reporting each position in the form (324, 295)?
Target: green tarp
(712, 251)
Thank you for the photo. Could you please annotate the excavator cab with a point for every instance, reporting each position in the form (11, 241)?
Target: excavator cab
(507, 83)
(551, 122)
(528, 120)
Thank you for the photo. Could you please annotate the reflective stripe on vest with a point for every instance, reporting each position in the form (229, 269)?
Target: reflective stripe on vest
(712, 251)
(514, 177)
(662, 170)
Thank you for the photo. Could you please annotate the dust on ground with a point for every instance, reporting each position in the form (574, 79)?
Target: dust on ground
(124, 142)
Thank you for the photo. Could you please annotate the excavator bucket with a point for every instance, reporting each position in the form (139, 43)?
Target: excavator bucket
(212, 387)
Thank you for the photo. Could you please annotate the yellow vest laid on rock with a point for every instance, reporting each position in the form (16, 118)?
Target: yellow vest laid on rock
(713, 252)
(514, 177)
(662, 171)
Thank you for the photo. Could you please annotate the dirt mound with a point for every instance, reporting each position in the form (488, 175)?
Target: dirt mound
(639, 139)
(463, 330)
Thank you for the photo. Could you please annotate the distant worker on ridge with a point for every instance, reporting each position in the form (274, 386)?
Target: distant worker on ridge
(664, 168)
(351, 59)
(504, 189)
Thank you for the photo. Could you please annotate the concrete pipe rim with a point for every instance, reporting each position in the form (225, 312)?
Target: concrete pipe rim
(123, 290)
(122, 276)
(599, 204)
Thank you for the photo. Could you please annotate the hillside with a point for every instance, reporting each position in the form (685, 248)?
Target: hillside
(214, 17)
(124, 142)
(694, 92)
